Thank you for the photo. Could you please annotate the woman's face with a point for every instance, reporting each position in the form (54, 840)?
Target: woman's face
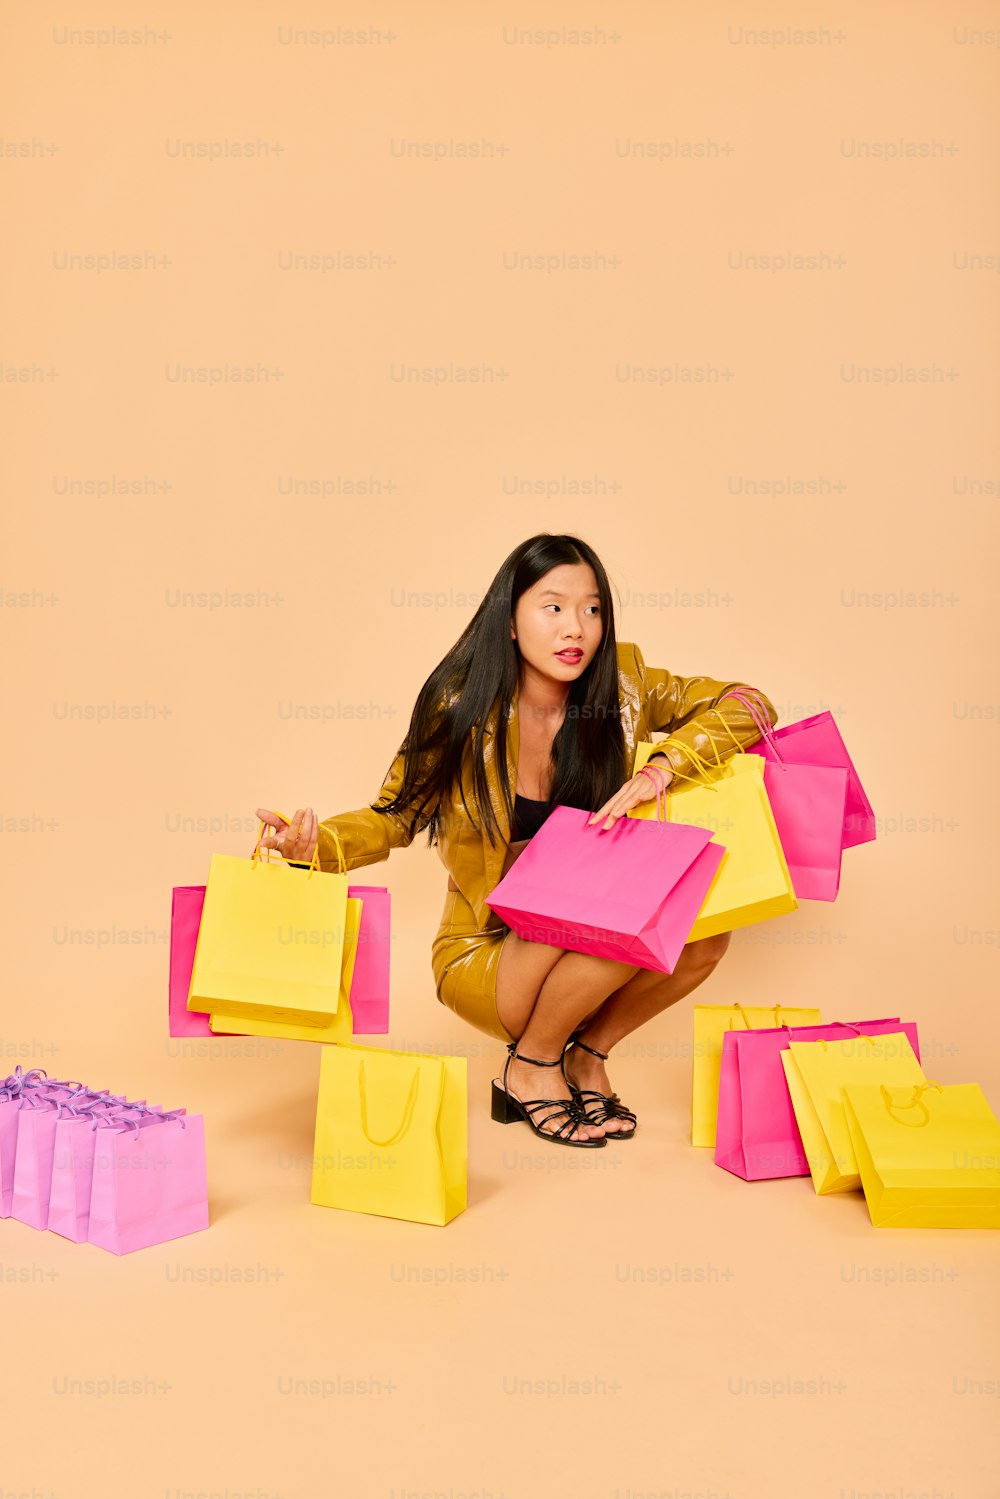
(561, 612)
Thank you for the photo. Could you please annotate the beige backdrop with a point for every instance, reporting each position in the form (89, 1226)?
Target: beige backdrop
(311, 314)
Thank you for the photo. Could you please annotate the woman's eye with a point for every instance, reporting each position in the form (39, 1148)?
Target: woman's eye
(589, 606)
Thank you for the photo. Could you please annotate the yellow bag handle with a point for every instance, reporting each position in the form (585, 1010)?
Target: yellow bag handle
(718, 760)
(701, 764)
(760, 720)
(746, 1018)
(916, 1102)
(258, 855)
(341, 856)
(699, 759)
(858, 1036)
(411, 1103)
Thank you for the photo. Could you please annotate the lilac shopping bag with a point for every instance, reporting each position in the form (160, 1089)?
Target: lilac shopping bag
(72, 1176)
(10, 1109)
(73, 1163)
(41, 1109)
(185, 919)
(12, 1092)
(809, 803)
(149, 1180)
(33, 1158)
(757, 1136)
(817, 741)
(630, 893)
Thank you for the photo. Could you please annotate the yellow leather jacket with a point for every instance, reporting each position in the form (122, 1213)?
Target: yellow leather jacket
(652, 701)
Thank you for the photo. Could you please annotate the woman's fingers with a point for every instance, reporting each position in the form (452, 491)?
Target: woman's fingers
(295, 839)
(639, 789)
(616, 807)
(305, 833)
(309, 835)
(293, 842)
(273, 820)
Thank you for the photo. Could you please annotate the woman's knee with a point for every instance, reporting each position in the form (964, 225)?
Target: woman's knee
(607, 973)
(522, 970)
(707, 951)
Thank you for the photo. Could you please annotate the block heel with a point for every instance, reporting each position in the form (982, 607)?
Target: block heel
(502, 1107)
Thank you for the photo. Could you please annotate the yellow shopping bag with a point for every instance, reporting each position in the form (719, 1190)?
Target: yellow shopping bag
(271, 940)
(817, 1073)
(340, 1028)
(710, 1025)
(752, 883)
(929, 1156)
(391, 1133)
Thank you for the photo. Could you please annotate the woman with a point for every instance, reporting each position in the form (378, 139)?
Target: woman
(536, 693)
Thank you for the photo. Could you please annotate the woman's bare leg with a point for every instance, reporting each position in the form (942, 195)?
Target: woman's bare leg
(543, 994)
(641, 997)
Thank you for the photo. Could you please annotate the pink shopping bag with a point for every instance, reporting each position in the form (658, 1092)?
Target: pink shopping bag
(817, 741)
(809, 803)
(369, 985)
(757, 1136)
(185, 919)
(630, 894)
(149, 1180)
(369, 997)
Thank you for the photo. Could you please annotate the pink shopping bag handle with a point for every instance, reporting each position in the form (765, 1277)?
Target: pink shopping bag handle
(662, 790)
(761, 723)
(760, 719)
(847, 1025)
(916, 1102)
(753, 703)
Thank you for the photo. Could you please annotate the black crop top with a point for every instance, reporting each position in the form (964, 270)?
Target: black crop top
(528, 817)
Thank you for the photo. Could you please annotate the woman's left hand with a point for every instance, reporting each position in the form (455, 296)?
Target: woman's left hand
(639, 789)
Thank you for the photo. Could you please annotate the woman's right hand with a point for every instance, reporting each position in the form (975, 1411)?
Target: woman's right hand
(294, 840)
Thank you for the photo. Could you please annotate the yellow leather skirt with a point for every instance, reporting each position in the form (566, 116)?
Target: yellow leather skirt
(465, 960)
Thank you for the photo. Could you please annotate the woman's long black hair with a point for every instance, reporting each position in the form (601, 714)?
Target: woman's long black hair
(482, 668)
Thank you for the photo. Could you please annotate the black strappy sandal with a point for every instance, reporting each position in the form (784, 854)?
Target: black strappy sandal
(606, 1105)
(506, 1109)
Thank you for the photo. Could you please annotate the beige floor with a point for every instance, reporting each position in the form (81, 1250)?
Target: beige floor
(609, 1325)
